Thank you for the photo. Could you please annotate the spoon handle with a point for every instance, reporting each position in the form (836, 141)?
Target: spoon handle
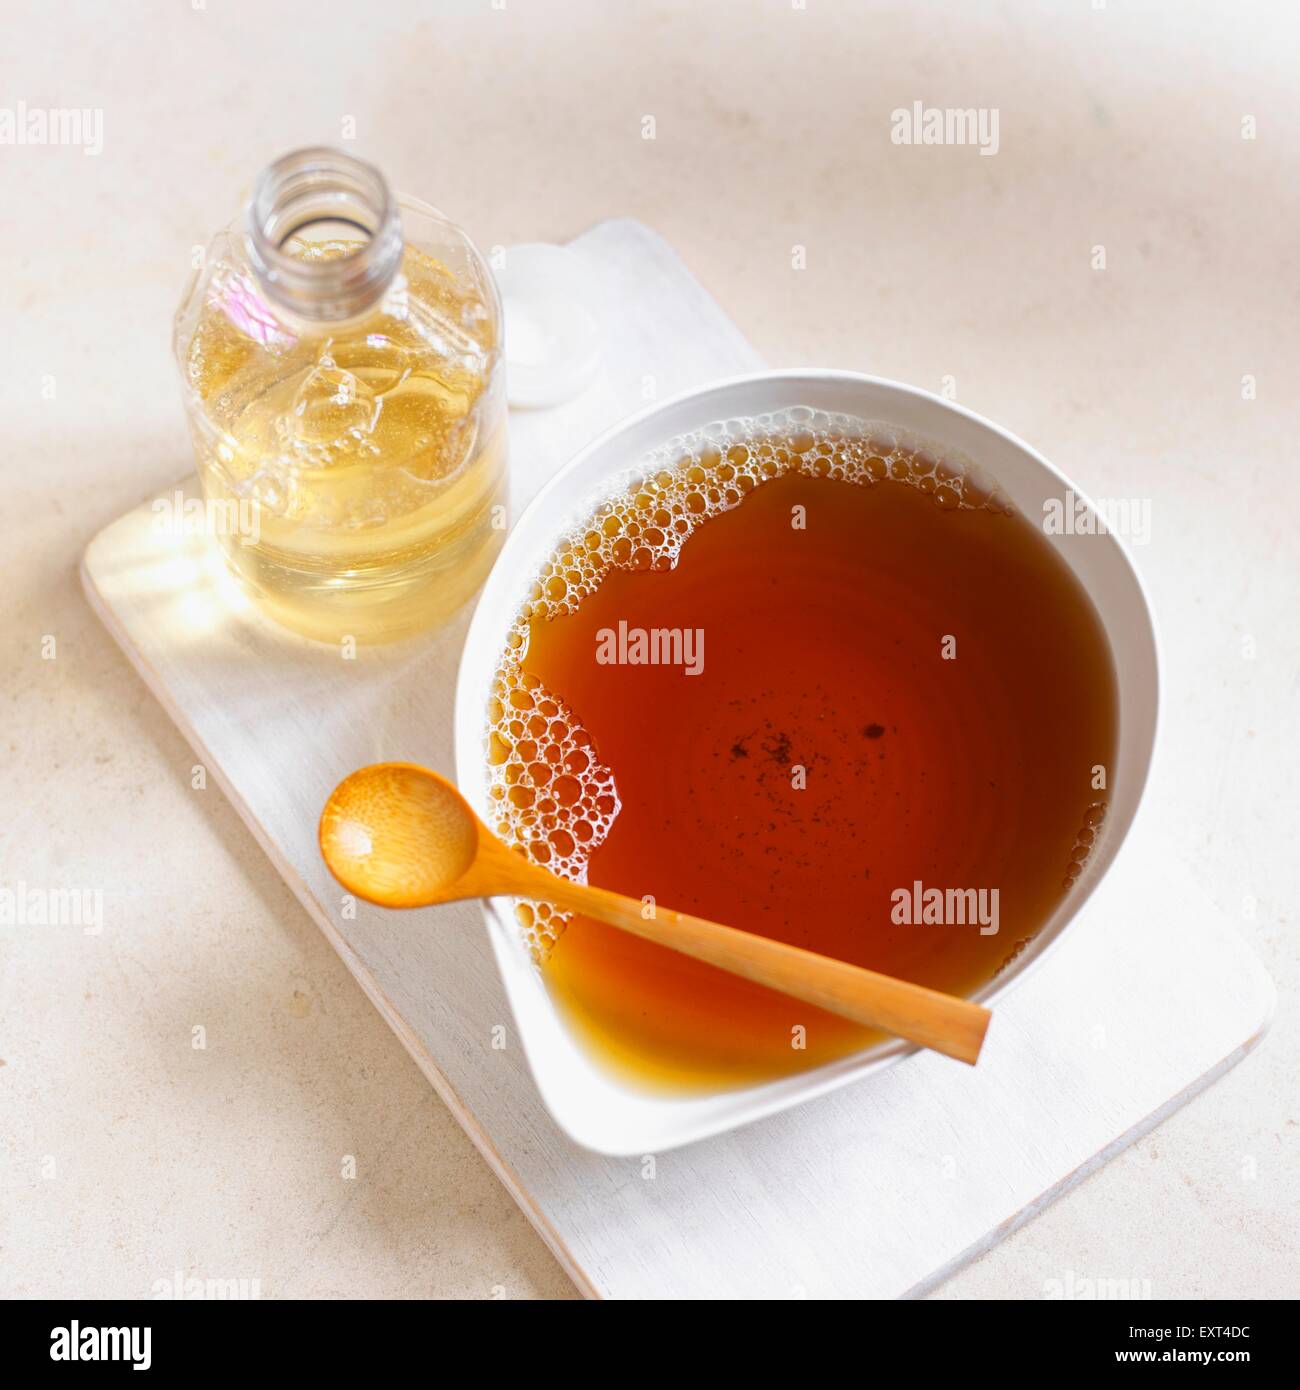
(938, 1021)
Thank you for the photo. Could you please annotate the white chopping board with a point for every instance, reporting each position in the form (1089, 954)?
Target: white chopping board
(879, 1190)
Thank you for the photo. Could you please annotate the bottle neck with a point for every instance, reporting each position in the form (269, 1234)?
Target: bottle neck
(324, 237)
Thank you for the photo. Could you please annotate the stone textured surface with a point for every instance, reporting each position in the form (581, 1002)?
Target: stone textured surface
(127, 1154)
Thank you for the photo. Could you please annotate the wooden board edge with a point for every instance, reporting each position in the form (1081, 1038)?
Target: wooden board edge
(1103, 1155)
(370, 986)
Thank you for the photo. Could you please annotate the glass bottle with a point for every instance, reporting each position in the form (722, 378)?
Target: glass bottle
(340, 354)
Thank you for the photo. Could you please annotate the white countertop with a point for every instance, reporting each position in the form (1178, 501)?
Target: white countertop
(127, 1154)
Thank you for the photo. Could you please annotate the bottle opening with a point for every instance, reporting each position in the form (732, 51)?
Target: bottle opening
(324, 236)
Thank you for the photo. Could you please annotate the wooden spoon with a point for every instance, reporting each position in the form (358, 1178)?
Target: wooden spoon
(398, 835)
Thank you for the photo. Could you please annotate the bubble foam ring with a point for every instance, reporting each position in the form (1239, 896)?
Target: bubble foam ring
(1087, 839)
(550, 794)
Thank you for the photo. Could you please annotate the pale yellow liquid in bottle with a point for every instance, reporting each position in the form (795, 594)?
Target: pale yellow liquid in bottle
(371, 458)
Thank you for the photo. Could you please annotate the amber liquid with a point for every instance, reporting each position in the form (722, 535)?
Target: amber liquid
(946, 688)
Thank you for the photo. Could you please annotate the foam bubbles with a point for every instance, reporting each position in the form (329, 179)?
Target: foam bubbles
(1084, 842)
(550, 794)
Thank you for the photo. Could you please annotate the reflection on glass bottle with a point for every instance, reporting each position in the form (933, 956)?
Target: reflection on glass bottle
(342, 368)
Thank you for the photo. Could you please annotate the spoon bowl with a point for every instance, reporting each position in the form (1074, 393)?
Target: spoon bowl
(398, 835)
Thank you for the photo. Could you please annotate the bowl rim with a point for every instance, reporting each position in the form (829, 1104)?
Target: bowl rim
(744, 1104)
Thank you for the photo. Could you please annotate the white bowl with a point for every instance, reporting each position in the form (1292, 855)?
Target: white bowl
(593, 1107)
